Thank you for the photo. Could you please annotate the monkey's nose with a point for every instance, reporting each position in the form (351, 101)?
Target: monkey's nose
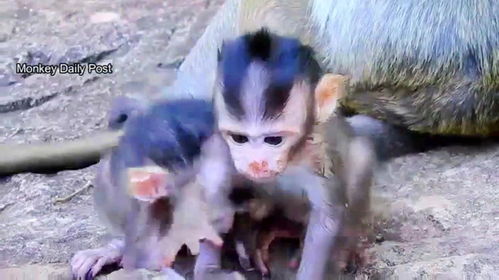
(260, 169)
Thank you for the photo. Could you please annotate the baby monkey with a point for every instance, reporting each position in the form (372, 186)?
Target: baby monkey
(275, 111)
(158, 150)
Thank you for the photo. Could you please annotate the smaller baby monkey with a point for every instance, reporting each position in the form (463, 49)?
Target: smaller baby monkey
(159, 147)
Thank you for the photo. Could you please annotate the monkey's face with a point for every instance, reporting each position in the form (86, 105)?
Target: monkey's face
(264, 101)
(261, 147)
(260, 157)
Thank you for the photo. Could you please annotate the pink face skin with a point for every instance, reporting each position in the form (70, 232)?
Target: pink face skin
(260, 148)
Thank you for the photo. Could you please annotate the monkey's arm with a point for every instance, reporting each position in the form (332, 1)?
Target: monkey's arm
(323, 227)
(324, 220)
(55, 156)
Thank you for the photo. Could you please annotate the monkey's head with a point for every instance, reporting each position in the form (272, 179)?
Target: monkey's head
(161, 143)
(269, 94)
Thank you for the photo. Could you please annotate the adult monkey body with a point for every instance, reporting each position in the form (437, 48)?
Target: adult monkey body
(431, 67)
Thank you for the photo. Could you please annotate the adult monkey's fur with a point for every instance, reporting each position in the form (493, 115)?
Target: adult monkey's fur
(429, 66)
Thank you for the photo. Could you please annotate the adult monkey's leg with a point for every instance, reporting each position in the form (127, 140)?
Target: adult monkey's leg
(196, 75)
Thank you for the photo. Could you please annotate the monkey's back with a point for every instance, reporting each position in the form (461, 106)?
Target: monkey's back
(169, 133)
(431, 67)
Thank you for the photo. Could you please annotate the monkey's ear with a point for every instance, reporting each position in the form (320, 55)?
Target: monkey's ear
(329, 90)
(147, 183)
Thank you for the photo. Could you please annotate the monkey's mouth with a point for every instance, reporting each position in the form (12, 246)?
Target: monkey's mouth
(262, 176)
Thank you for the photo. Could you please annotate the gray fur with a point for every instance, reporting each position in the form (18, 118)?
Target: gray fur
(195, 79)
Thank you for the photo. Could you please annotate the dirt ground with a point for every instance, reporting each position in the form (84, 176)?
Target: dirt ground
(436, 214)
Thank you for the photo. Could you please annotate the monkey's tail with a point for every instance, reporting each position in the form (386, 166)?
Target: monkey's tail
(393, 141)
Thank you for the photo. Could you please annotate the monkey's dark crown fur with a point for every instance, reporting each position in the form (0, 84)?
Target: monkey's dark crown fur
(285, 59)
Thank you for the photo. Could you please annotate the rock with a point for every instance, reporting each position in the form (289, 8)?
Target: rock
(140, 274)
(134, 41)
(456, 267)
(49, 272)
(438, 214)
(35, 229)
(101, 17)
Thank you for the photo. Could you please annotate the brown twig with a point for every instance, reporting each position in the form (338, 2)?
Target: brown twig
(75, 193)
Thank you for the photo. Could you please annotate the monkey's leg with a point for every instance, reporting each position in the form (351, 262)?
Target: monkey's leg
(319, 238)
(359, 170)
(324, 219)
(245, 239)
(208, 264)
(265, 239)
(261, 255)
(197, 72)
(87, 263)
(243, 255)
(296, 258)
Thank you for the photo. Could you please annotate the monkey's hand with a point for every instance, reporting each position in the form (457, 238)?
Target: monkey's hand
(86, 264)
(208, 264)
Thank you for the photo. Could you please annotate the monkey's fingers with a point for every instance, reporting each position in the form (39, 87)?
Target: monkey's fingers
(147, 183)
(87, 263)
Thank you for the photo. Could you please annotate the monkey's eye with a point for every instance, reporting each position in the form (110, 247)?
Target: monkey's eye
(122, 118)
(273, 140)
(239, 138)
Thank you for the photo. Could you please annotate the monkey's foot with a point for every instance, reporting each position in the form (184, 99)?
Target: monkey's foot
(294, 263)
(351, 261)
(350, 257)
(85, 264)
